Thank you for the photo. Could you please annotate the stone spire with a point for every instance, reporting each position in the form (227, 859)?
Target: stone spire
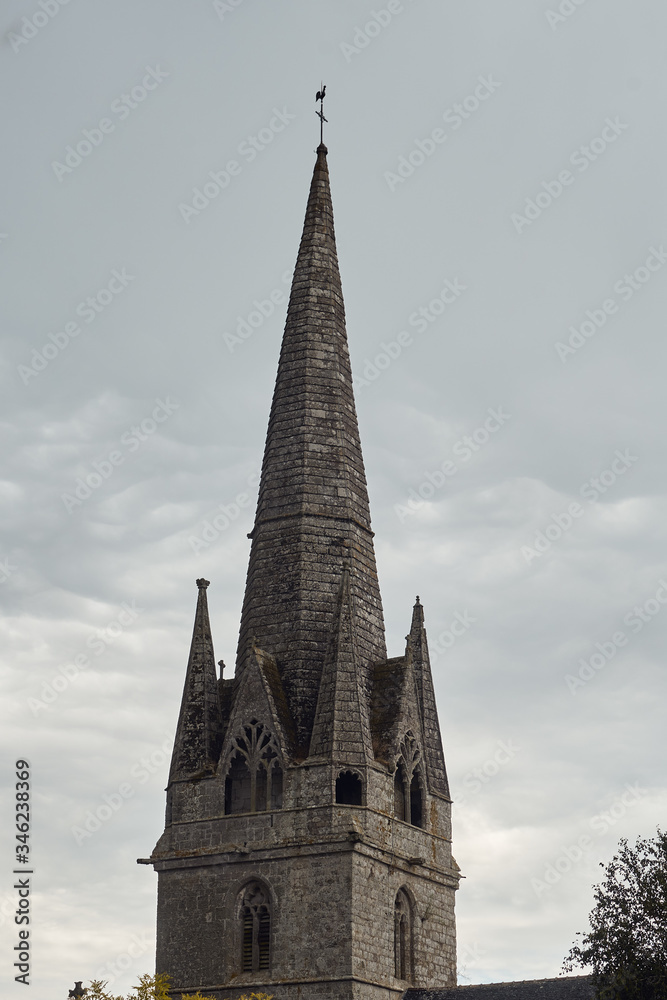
(341, 731)
(199, 731)
(421, 665)
(312, 512)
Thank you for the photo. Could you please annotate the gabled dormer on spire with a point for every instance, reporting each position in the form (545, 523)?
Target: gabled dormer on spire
(313, 510)
(341, 733)
(421, 665)
(199, 731)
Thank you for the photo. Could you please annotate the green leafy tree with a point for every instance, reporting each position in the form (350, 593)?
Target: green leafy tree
(149, 988)
(626, 946)
(155, 988)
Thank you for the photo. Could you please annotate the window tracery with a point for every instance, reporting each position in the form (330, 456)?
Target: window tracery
(254, 781)
(255, 928)
(408, 783)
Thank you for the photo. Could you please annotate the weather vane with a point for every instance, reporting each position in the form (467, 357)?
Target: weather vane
(320, 114)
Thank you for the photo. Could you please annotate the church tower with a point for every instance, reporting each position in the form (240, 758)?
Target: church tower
(307, 845)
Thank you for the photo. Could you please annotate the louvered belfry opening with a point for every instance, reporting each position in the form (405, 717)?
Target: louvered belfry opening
(256, 929)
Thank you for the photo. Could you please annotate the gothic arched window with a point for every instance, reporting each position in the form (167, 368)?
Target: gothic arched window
(399, 794)
(255, 928)
(254, 781)
(408, 785)
(416, 801)
(348, 788)
(237, 785)
(403, 937)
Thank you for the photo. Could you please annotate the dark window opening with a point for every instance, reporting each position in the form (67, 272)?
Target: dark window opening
(261, 785)
(399, 795)
(276, 787)
(415, 802)
(409, 798)
(402, 937)
(237, 786)
(348, 789)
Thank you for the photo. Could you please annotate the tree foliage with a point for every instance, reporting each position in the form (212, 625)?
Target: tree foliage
(626, 946)
(149, 988)
(155, 988)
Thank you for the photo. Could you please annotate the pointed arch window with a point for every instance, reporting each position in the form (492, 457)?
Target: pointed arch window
(408, 783)
(254, 781)
(255, 928)
(403, 945)
(416, 801)
(399, 793)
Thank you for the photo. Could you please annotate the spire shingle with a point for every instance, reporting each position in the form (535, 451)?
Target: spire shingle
(199, 731)
(312, 512)
(433, 754)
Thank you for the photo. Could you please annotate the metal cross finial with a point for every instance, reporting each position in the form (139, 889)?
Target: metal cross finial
(320, 114)
(77, 991)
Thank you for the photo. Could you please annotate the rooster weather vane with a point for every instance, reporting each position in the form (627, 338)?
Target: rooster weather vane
(320, 114)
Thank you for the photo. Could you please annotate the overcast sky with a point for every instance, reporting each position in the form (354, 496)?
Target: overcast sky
(498, 174)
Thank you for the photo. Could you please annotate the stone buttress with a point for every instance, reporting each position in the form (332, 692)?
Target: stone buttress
(307, 845)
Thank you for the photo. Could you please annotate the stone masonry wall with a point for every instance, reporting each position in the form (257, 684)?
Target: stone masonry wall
(333, 872)
(332, 917)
